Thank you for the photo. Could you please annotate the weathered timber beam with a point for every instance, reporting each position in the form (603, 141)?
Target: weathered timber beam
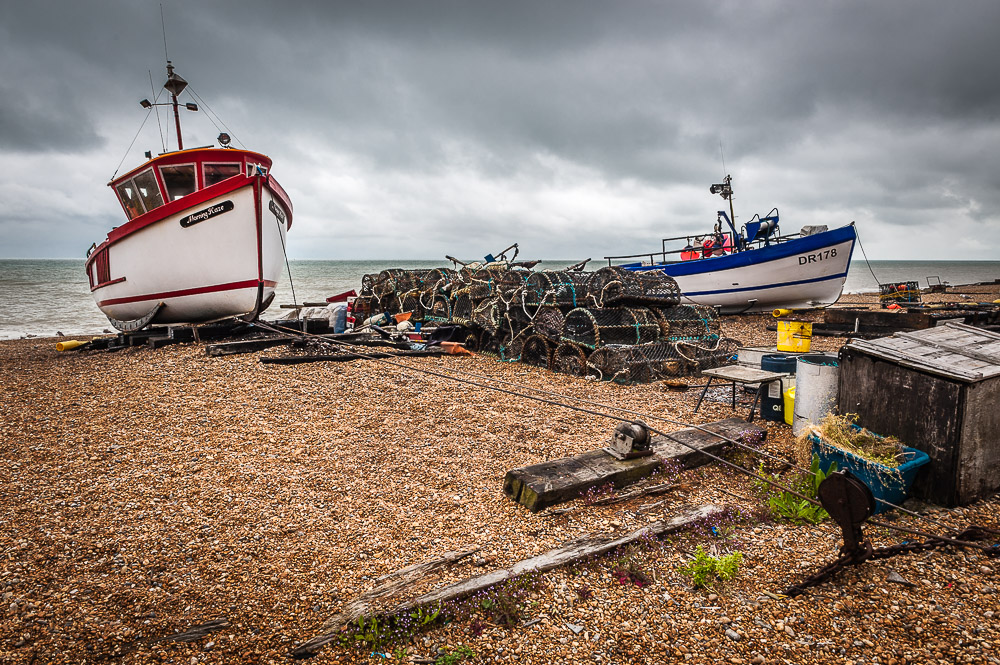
(570, 552)
(390, 585)
(557, 481)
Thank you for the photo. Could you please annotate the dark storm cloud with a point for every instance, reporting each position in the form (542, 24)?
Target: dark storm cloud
(553, 121)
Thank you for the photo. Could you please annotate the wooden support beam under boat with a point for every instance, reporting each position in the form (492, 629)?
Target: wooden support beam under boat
(549, 483)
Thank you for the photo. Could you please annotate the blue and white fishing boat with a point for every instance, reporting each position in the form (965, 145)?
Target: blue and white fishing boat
(754, 269)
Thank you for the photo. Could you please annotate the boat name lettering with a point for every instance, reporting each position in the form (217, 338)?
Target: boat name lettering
(207, 213)
(277, 211)
(818, 256)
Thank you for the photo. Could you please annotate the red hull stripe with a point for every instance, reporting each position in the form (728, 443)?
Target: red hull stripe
(232, 286)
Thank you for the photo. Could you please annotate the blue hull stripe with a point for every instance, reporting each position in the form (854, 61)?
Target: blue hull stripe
(763, 287)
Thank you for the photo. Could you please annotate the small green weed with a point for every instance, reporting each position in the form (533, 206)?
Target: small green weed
(454, 656)
(788, 506)
(705, 569)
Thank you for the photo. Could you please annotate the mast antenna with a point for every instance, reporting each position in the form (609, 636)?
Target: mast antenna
(163, 25)
(163, 142)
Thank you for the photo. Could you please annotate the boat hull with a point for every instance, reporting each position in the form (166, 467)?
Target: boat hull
(219, 258)
(802, 273)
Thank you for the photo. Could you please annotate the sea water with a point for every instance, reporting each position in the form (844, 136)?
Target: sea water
(44, 297)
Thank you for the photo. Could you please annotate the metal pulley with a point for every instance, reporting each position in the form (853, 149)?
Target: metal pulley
(850, 503)
(629, 440)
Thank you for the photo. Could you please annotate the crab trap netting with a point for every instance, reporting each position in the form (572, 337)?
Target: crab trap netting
(439, 308)
(617, 286)
(594, 328)
(628, 364)
(688, 322)
(561, 320)
(537, 351)
(548, 321)
(368, 285)
(556, 287)
(570, 358)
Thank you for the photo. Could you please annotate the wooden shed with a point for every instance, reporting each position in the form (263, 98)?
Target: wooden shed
(938, 390)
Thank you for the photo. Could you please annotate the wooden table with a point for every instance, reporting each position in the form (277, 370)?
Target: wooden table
(743, 375)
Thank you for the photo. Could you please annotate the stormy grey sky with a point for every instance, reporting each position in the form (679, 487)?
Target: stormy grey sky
(578, 129)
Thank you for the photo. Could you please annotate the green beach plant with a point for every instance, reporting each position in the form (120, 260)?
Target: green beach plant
(454, 656)
(705, 570)
(786, 505)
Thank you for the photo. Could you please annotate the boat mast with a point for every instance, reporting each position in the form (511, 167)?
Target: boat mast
(175, 85)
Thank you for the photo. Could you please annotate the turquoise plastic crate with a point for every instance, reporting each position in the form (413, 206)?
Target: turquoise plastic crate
(888, 484)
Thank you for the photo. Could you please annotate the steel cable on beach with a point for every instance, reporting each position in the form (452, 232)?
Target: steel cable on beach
(606, 414)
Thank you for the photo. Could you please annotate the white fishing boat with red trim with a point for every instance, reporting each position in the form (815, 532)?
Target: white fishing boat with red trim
(204, 238)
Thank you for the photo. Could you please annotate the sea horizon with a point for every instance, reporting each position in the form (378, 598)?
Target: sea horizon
(44, 297)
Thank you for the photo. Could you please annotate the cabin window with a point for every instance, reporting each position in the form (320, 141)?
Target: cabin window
(254, 169)
(218, 172)
(129, 195)
(179, 180)
(148, 190)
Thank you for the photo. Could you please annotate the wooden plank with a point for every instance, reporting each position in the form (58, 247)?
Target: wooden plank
(743, 374)
(581, 548)
(344, 357)
(882, 319)
(539, 486)
(245, 346)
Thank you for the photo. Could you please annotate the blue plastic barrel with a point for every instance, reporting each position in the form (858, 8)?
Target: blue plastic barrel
(772, 401)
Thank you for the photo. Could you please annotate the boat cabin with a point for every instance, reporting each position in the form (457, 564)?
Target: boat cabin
(174, 175)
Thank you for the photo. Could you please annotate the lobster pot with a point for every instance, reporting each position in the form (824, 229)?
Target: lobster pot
(703, 353)
(476, 290)
(483, 278)
(511, 343)
(549, 322)
(473, 341)
(462, 309)
(509, 282)
(689, 321)
(594, 328)
(617, 286)
(410, 302)
(438, 280)
(487, 314)
(361, 308)
(537, 351)
(557, 287)
(571, 359)
(390, 282)
(368, 285)
(514, 320)
(439, 309)
(622, 364)
(608, 285)
(903, 292)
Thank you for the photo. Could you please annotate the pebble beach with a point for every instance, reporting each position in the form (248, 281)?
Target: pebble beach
(144, 492)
